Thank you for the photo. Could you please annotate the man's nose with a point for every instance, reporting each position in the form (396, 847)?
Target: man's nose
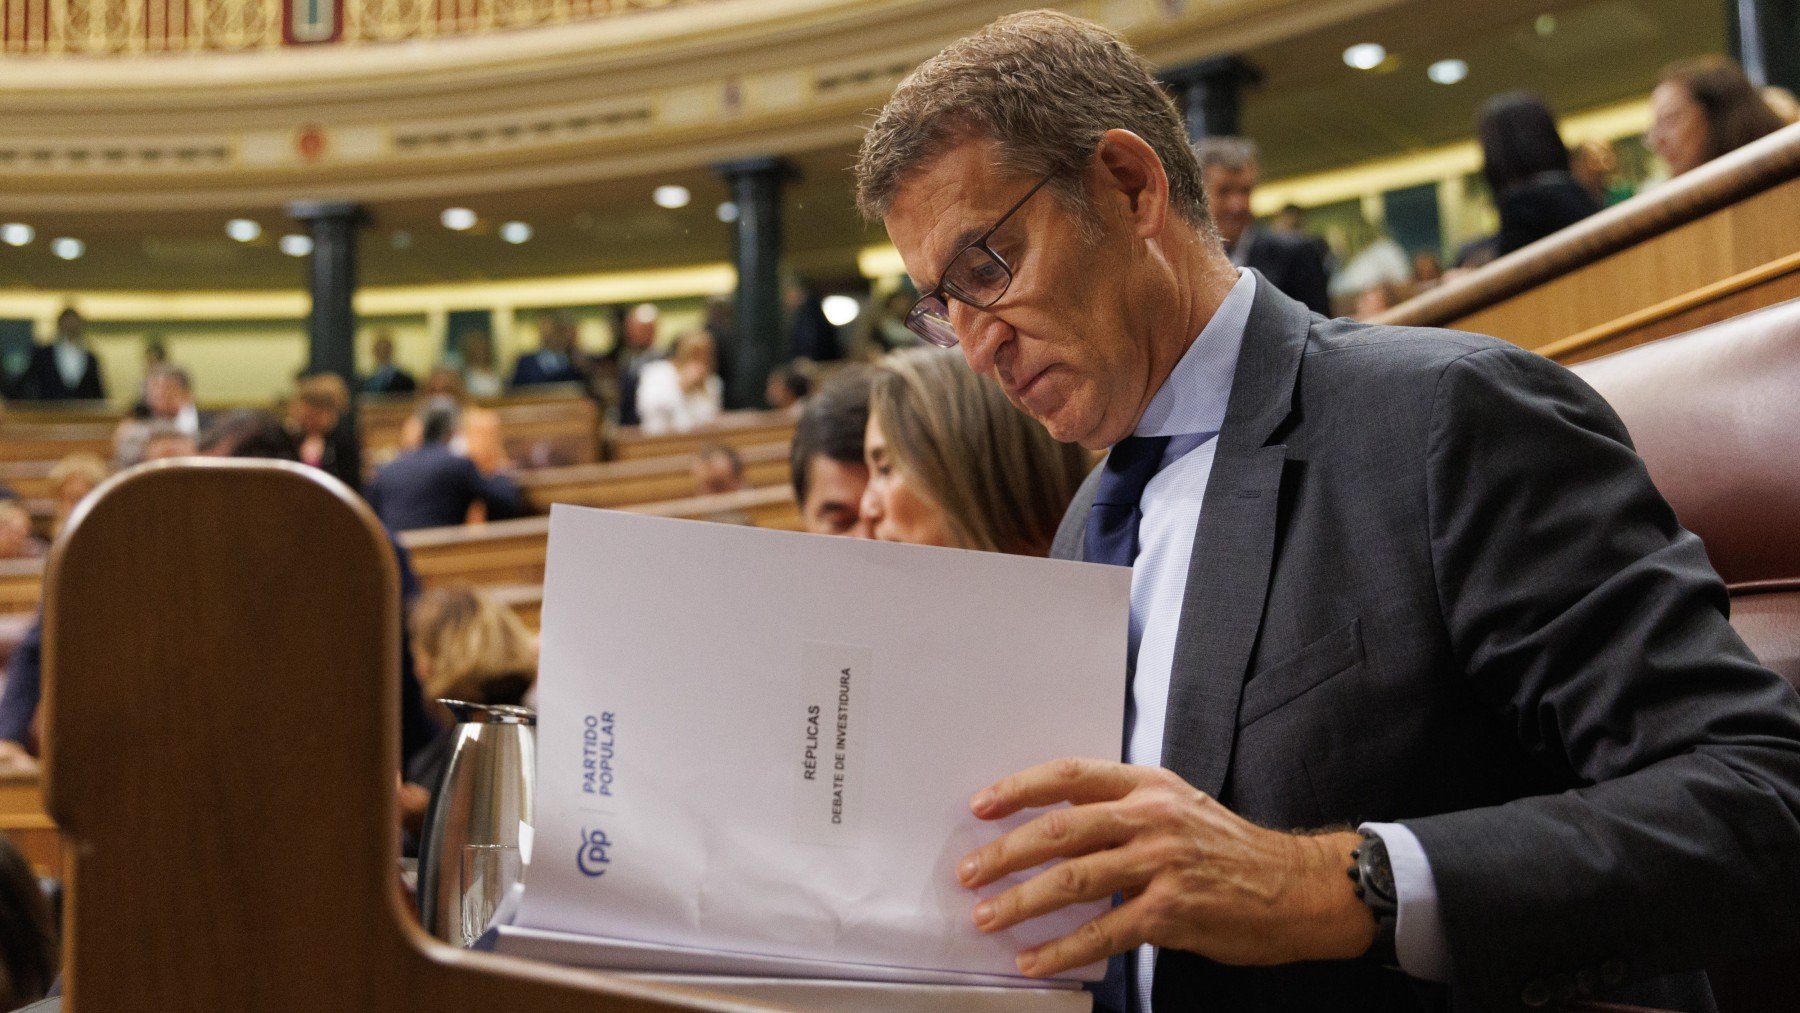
(982, 335)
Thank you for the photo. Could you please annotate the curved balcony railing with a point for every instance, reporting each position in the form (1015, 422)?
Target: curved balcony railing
(130, 27)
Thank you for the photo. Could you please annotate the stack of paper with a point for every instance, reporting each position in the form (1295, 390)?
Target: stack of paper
(756, 748)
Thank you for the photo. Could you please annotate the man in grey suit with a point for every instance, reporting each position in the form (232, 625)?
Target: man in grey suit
(1409, 591)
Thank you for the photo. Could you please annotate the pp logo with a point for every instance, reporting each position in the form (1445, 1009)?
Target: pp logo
(591, 858)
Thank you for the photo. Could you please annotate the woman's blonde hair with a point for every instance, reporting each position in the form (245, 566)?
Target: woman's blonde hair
(324, 391)
(472, 642)
(1000, 480)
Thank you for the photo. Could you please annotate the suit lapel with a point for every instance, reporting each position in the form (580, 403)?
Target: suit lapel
(1234, 547)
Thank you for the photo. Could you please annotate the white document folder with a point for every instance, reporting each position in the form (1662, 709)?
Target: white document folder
(764, 743)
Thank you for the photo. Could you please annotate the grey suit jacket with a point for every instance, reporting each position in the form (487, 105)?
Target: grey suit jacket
(1433, 583)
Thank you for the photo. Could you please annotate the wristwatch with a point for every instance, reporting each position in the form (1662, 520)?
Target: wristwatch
(1374, 880)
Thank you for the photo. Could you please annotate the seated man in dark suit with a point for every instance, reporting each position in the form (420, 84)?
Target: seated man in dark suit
(433, 486)
(1432, 704)
(387, 377)
(556, 360)
(1295, 264)
(64, 370)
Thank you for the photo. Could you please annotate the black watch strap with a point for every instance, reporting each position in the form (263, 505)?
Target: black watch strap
(1374, 879)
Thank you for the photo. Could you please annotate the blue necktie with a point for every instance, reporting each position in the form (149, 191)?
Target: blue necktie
(1112, 524)
(1112, 537)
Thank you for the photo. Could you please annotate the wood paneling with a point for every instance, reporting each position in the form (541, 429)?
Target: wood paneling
(740, 429)
(20, 580)
(512, 552)
(643, 480)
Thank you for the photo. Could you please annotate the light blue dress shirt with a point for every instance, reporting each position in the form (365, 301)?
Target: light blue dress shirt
(1190, 410)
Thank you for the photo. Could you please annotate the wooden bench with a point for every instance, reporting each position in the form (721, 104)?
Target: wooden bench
(52, 441)
(526, 601)
(24, 822)
(21, 581)
(42, 412)
(27, 479)
(645, 480)
(1707, 246)
(739, 429)
(512, 552)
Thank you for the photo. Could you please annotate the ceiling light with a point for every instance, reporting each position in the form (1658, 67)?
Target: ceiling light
(1447, 71)
(459, 219)
(671, 197)
(242, 229)
(1546, 23)
(515, 232)
(840, 309)
(1365, 55)
(728, 212)
(68, 249)
(17, 233)
(296, 245)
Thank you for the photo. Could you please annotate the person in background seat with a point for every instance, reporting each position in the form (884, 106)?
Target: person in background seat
(432, 486)
(1293, 263)
(826, 456)
(63, 370)
(1703, 108)
(387, 377)
(1527, 168)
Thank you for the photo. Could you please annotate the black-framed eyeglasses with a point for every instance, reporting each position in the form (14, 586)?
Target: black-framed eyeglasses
(976, 276)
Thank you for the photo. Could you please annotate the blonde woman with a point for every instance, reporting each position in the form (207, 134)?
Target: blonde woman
(952, 462)
(465, 646)
(71, 480)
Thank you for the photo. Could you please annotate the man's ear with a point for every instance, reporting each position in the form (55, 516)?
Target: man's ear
(1127, 168)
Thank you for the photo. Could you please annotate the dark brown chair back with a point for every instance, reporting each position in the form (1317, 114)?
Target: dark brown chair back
(221, 659)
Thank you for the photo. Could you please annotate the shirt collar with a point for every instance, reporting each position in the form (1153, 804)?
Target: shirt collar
(1192, 400)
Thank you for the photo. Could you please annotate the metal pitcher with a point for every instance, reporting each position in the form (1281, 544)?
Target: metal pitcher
(469, 857)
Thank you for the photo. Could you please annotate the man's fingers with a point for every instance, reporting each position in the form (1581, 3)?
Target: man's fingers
(1115, 931)
(1090, 877)
(1063, 832)
(1077, 779)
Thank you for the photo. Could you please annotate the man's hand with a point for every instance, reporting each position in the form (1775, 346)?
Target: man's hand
(1195, 875)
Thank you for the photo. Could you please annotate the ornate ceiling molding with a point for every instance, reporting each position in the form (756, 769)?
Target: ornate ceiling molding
(668, 88)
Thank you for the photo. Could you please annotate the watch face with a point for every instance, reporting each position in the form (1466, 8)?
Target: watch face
(1376, 874)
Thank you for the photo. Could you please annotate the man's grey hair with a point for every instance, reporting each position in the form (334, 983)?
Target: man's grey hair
(438, 419)
(1043, 86)
(1233, 153)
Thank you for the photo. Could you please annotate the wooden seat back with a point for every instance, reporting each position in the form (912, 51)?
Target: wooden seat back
(53, 441)
(512, 552)
(645, 480)
(222, 712)
(739, 429)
